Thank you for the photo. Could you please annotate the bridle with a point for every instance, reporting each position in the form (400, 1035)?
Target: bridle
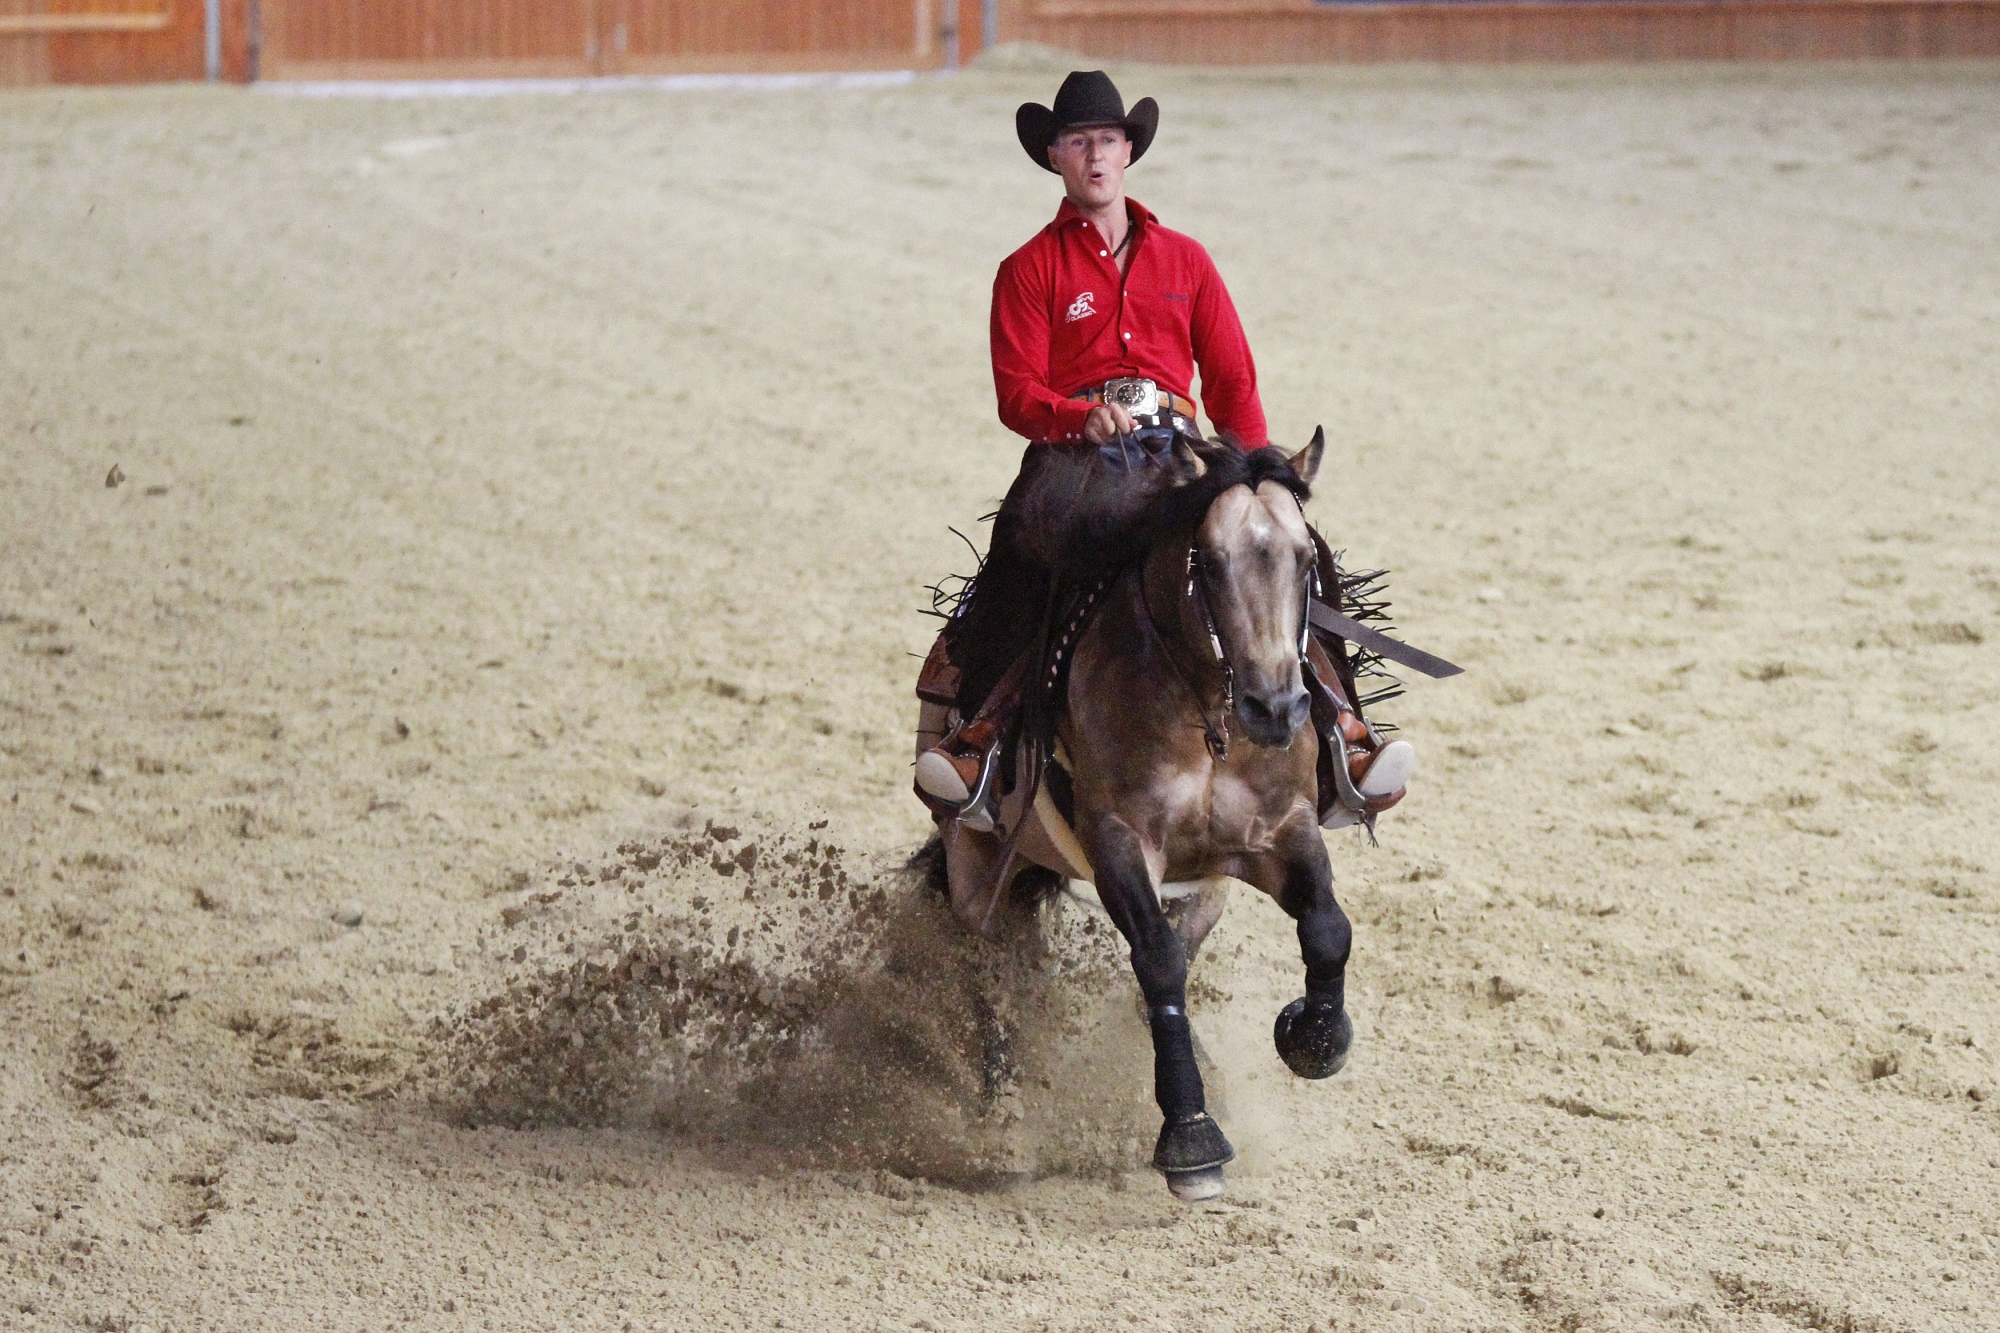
(1215, 731)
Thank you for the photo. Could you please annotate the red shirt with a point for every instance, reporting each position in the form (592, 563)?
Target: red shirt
(1064, 320)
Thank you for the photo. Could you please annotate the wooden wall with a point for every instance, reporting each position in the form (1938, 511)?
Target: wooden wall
(384, 38)
(54, 41)
(664, 29)
(100, 41)
(1245, 32)
(318, 39)
(65, 41)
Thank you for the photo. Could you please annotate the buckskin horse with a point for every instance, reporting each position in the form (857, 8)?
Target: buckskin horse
(1202, 637)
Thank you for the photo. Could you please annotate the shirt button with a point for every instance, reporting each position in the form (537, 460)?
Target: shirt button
(1105, 254)
(1128, 337)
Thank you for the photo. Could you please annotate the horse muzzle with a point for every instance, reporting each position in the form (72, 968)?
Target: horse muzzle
(1273, 717)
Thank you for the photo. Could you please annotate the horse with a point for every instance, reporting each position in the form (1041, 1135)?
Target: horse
(1182, 734)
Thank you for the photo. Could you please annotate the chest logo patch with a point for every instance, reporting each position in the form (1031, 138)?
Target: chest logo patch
(1080, 307)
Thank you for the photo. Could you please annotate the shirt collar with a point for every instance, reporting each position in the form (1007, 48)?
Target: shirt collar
(1138, 212)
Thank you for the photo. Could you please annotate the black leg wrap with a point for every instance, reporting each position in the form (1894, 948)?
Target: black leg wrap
(1312, 1036)
(1328, 990)
(1176, 1079)
(1325, 940)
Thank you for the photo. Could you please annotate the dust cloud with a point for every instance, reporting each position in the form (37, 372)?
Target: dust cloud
(806, 1005)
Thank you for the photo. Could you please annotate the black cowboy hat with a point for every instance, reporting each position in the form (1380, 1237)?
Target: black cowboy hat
(1087, 97)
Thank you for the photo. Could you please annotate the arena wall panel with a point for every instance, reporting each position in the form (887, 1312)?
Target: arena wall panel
(100, 41)
(357, 38)
(114, 41)
(1244, 32)
(316, 39)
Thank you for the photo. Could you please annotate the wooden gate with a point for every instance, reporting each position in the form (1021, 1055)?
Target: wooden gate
(100, 41)
(360, 39)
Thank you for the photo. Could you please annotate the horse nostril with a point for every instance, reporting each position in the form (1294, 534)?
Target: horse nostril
(1275, 714)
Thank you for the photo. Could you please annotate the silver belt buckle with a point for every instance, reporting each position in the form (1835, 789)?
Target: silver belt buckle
(1138, 396)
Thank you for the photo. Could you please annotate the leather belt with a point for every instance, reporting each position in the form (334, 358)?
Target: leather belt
(1173, 403)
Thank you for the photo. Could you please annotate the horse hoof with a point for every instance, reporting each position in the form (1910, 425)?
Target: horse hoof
(1192, 1146)
(1196, 1186)
(1312, 1037)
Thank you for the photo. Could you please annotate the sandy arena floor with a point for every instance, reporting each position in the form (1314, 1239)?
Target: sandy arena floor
(520, 489)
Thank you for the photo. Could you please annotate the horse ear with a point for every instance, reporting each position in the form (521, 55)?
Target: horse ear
(1306, 461)
(1187, 463)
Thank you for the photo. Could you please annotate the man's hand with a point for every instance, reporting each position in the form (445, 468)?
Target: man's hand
(1106, 422)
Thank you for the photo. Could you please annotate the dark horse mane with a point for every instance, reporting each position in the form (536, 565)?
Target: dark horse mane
(1177, 510)
(1007, 606)
(1182, 507)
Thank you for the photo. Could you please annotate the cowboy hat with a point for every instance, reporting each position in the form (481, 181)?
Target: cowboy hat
(1087, 97)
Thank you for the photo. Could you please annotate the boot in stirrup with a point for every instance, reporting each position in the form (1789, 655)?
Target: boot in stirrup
(1361, 775)
(1371, 774)
(957, 776)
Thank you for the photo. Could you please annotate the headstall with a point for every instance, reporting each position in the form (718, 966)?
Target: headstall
(1216, 733)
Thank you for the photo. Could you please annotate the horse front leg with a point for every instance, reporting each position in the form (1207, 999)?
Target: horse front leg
(1191, 1150)
(1314, 1032)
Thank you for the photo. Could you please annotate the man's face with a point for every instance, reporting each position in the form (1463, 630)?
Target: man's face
(1092, 162)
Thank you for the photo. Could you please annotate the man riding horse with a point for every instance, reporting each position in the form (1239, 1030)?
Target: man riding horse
(1098, 326)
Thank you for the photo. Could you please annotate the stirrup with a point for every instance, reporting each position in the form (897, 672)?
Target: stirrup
(1381, 784)
(944, 789)
(977, 812)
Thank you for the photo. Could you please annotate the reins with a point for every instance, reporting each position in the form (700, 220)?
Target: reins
(1215, 733)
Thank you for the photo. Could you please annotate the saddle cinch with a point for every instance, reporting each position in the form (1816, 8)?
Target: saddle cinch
(1033, 811)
